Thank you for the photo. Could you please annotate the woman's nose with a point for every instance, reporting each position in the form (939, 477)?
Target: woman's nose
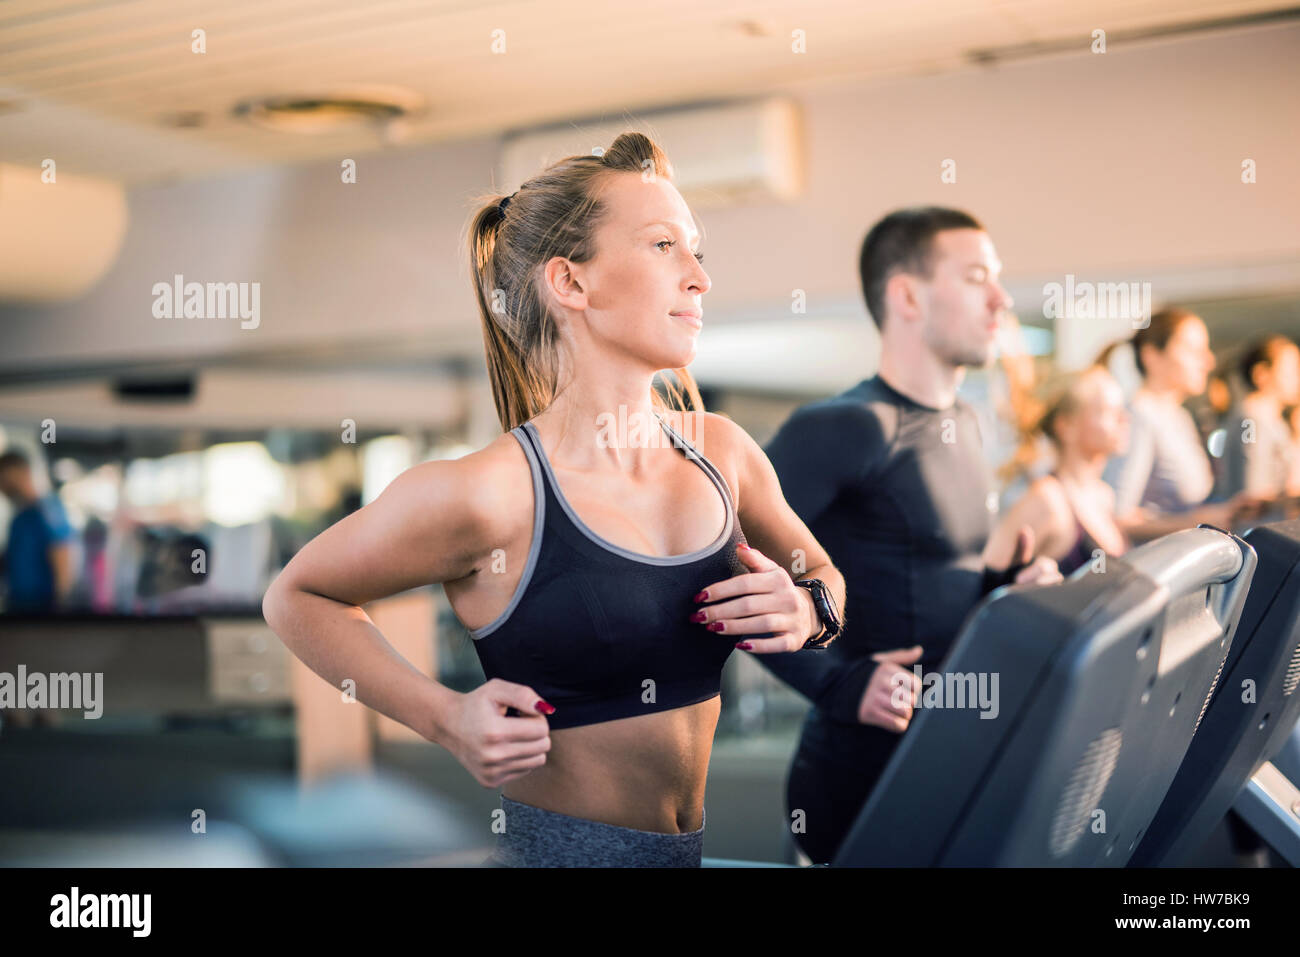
(700, 279)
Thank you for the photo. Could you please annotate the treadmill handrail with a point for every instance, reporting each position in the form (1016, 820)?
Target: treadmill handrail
(1184, 560)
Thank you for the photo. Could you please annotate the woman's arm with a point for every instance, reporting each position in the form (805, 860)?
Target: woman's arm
(1142, 525)
(774, 530)
(1128, 475)
(434, 523)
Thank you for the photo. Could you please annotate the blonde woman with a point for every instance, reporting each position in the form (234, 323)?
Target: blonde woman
(1071, 510)
(604, 577)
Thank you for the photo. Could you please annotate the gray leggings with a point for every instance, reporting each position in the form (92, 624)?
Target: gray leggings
(535, 837)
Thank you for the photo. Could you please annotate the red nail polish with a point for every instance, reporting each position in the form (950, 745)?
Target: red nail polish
(717, 626)
(743, 545)
(543, 707)
(702, 596)
(744, 645)
(699, 616)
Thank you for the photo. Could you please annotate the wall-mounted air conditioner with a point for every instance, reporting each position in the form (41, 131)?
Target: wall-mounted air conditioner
(724, 155)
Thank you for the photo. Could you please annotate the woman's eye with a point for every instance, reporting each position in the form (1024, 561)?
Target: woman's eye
(672, 242)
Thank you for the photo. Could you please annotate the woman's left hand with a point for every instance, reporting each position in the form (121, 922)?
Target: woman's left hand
(765, 602)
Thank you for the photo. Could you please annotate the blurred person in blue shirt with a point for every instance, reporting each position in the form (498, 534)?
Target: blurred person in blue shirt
(39, 559)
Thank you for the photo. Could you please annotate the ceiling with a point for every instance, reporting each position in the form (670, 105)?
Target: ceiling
(113, 89)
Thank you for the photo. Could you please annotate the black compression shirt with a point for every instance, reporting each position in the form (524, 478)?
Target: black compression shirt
(899, 494)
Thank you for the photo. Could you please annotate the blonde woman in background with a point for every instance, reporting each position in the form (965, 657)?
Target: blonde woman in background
(1071, 509)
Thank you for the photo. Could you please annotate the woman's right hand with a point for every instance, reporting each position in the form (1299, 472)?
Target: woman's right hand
(493, 747)
(1250, 506)
(1242, 507)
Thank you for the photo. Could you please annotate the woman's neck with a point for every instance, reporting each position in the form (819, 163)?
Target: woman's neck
(601, 422)
(1172, 395)
(1263, 403)
(1079, 469)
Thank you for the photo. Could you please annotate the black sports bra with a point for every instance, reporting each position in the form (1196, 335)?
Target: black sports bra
(1085, 546)
(602, 632)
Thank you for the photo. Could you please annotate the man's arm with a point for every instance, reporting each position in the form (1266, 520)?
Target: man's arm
(833, 683)
(59, 551)
(60, 556)
(822, 449)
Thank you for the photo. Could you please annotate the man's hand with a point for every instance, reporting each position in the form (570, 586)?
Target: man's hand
(891, 693)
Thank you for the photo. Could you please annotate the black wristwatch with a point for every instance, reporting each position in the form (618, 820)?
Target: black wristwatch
(826, 611)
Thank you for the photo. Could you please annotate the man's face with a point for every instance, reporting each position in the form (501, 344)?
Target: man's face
(13, 482)
(962, 301)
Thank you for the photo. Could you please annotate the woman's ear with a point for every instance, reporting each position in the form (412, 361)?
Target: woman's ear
(1260, 374)
(1151, 356)
(1063, 426)
(563, 283)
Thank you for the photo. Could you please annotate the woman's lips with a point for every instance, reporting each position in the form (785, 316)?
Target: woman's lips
(690, 318)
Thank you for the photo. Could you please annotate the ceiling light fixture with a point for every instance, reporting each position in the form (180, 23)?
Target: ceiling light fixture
(333, 111)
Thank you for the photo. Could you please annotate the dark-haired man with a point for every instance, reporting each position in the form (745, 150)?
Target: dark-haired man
(890, 478)
(39, 558)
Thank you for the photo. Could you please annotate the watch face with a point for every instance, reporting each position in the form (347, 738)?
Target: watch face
(824, 602)
(825, 593)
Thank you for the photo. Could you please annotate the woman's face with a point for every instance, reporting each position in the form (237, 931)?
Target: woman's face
(644, 284)
(1186, 361)
(1282, 377)
(1099, 424)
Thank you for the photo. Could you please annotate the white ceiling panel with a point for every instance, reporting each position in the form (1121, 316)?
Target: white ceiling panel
(100, 84)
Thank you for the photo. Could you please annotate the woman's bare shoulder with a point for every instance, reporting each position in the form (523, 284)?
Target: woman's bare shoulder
(490, 489)
(713, 435)
(731, 450)
(435, 522)
(1047, 504)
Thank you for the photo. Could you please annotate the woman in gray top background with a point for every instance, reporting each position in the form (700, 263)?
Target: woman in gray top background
(1163, 481)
